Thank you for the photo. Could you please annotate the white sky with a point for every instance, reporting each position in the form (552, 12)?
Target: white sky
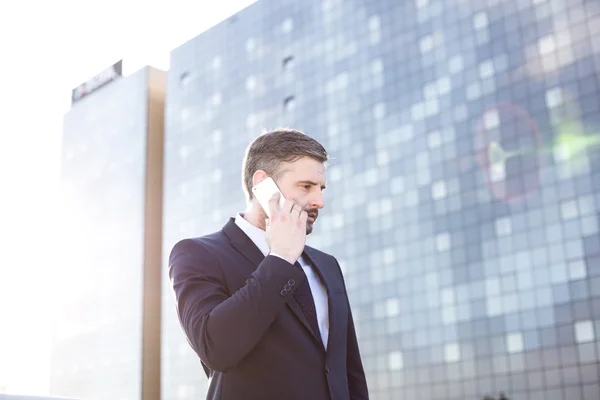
(46, 49)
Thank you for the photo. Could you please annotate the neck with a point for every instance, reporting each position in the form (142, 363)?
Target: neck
(255, 215)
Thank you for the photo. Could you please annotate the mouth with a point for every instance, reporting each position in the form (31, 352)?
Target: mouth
(312, 217)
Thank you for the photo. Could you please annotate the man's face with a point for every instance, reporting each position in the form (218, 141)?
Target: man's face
(304, 181)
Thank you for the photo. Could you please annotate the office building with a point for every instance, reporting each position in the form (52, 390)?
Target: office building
(463, 196)
(107, 332)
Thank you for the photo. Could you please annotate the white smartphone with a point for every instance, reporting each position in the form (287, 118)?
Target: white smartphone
(263, 192)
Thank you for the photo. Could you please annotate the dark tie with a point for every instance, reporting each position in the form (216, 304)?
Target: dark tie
(305, 300)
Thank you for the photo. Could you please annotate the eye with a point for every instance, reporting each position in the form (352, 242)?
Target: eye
(307, 187)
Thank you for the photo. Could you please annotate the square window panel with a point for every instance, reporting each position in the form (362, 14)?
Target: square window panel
(584, 331)
(452, 352)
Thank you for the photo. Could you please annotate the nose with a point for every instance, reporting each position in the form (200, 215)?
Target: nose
(317, 200)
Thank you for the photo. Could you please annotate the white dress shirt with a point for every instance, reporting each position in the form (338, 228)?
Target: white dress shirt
(319, 293)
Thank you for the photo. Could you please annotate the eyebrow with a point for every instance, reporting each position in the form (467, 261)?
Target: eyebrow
(323, 187)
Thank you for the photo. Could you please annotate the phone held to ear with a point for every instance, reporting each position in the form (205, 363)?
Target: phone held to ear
(263, 192)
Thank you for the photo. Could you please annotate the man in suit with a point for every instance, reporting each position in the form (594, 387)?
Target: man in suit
(268, 316)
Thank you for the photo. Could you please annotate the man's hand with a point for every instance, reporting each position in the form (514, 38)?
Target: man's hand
(286, 229)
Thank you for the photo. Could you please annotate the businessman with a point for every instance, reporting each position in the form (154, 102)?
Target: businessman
(267, 315)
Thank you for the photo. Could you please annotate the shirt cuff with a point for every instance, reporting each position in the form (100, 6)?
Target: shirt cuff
(277, 255)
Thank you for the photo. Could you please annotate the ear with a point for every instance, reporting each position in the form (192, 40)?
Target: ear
(258, 177)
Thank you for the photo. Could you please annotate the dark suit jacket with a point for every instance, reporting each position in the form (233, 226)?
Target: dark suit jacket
(250, 334)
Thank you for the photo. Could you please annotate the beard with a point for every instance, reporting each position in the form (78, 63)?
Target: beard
(313, 214)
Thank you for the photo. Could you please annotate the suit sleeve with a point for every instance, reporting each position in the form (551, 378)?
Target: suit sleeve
(357, 382)
(221, 327)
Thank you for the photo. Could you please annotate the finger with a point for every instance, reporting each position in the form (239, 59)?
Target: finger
(296, 209)
(287, 206)
(274, 203)
(301, 222)
(303, 216)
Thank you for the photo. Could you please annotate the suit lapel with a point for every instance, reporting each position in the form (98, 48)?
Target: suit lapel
(242, 243)
(327, 276)
(318, 264)
(293, 305)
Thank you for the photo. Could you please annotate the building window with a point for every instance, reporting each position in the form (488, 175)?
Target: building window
(184, 79)
(216, 99)
(422, 3)
(250, 45)
(287, 25)
(395, 361)
(289, 103)
(452, 352)
(584, 331)
(250, 83)
(288, 63)
(514, 342)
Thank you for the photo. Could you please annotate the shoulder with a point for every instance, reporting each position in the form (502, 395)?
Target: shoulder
(318, 253)
(199, 245)
(329, 264)
(196, 256)
(322, 257)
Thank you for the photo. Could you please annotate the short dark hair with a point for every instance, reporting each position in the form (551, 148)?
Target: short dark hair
(272, 148)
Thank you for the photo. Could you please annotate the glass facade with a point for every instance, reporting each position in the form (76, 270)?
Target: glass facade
(97, 344)
(463, 196)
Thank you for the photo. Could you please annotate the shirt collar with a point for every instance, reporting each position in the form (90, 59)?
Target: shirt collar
(257, 235)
